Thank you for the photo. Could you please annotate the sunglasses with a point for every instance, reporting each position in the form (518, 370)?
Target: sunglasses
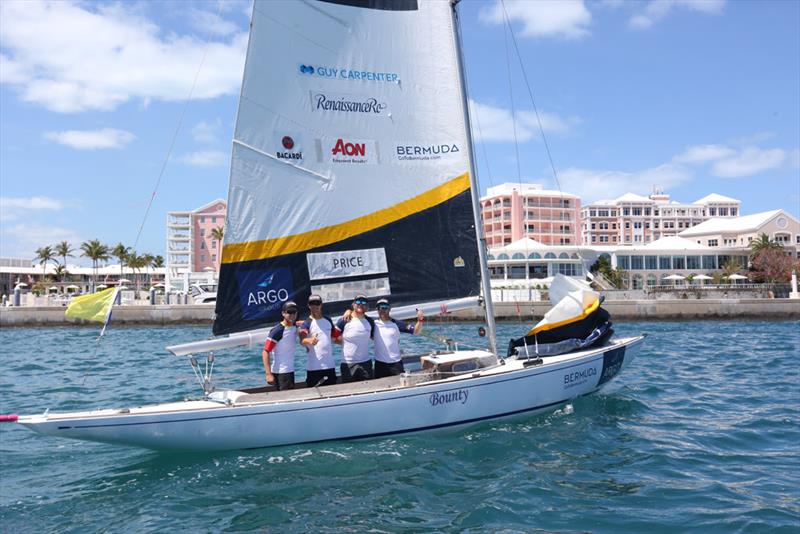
(360, 301)
(383, 307)
(290, 312)
(315, 303)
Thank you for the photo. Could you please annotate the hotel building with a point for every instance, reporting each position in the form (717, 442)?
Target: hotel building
(511, 212)
(634, 220)
(192, 251)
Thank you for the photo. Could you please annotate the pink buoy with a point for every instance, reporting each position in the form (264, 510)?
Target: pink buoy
(9, 418)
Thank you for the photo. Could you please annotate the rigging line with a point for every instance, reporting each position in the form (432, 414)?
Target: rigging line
(511, 98)
(177, 130)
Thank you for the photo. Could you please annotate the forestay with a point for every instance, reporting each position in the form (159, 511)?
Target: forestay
(350, 167)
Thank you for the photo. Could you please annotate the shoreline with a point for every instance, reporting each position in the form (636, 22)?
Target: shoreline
(638, 310)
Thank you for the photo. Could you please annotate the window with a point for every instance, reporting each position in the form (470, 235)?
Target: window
(637, 263)
(593, 226)
(603, 213)
(665, 263)
(637, 225)
(651, 263)
(733, 212)
(637, 238)
(613, 226)
(604, 238)
(713, 243)
(202, 232)
(712, 212)
(213, 257)
(693, 262)
(723, 212)
(592, 213)
(567, 269)
(647, 211)
(502, 256)
(678, 262)
(626, 211)
(214, 244)
(202, 245)
(627, 226)
(637, 211)
(652, 280)
(202, 219)
(213, 220)
(202, 258)
(534, 256)
(516, 272)
(624, 262)
(550, 256)
(518, 256)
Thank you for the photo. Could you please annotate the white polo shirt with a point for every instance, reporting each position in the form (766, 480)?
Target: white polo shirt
(281, 344)
(356, 334)
(387, 339)
(320, 356)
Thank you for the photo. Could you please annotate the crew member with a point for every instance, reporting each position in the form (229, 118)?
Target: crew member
(388, 359)
(317, 333)
(357, 330)
(278, 354)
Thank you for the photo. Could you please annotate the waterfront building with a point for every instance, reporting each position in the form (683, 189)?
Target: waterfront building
(511, 212)
(778, 225)
(192, 251)
(634, 219)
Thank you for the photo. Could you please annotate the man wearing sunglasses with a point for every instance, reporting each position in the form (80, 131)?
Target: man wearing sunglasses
(388, 358)
(357, 330)
(278, 354)
(317, 334)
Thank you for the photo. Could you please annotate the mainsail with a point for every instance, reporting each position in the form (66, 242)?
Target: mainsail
(350, 167)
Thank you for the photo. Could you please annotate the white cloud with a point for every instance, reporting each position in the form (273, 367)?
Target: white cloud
(209, 23)
(704, 153)
(92, 139)
(206, 158)
(71, 57)
(567, 19)
(495, 123)
(657, 10)
(591, 185)
(206, 132)
(749, 161)
(12, 208)
(22, 240)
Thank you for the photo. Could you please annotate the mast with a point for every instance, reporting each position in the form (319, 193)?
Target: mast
(473, 178)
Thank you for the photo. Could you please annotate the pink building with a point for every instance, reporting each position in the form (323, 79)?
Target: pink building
(513, 211)
(191, 246)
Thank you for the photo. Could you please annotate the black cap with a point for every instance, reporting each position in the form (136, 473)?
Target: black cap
(315, 299)
(289, 305)
(382, 302)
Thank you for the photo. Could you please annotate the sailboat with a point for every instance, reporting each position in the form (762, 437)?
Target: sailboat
(352, 173)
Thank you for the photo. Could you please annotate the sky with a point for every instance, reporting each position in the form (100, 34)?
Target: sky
(692, 96)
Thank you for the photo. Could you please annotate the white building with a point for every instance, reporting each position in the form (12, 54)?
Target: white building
(778, 225)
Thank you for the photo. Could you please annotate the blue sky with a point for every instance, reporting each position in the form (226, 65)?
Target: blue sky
(692, 96)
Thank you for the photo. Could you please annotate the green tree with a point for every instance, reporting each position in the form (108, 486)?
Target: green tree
(64, 250)
(158, 262)
(44, 255)
(61, 272)
(137, 262)
(95, 251)
(763, 243)
(121, 253)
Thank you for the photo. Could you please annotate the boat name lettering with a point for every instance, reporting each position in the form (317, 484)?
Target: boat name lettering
(353, 75)
(347, 104)
(459, 396)
(425, 152)
(267, 297)
(578, 377)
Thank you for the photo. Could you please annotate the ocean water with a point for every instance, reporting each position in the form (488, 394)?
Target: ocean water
(701, 433)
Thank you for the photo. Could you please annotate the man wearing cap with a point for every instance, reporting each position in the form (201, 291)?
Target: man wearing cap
(317, 333)
(388, 359)
(278, 354)
(357, 330)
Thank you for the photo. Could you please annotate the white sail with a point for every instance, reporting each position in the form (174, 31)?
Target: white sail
(350, 168)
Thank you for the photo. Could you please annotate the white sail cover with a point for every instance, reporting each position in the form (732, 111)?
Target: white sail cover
(350, 161)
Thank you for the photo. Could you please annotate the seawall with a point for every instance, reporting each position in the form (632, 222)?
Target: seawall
(632, 310)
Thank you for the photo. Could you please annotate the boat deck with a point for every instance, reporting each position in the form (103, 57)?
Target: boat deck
(301, 392)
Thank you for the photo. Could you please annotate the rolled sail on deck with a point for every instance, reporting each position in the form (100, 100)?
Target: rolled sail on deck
(350, 161)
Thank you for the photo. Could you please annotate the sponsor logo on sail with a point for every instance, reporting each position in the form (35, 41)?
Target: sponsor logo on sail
(350, 74)
(459, 262)
(448, 397)
(289, 149)
(347, 150)
(328, 102)
(262, 293)
(426, 152)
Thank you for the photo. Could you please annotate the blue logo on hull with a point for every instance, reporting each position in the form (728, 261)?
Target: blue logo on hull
(262, 293)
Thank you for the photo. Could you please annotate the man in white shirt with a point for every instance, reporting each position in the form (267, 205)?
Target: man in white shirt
(357, 331)
(278, 354)
(317, 334)
(388, 358)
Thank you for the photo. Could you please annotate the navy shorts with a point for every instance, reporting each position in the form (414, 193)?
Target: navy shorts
(284, 381)
(355, 372)
(388, 369)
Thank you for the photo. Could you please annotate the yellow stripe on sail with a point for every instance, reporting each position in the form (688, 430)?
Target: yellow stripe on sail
(268, 248)
(590, 309)
(93, 307)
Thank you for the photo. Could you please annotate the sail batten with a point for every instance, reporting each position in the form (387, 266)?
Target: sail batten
(350, 170)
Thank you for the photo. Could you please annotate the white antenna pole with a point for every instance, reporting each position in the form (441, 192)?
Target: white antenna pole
(473, 178)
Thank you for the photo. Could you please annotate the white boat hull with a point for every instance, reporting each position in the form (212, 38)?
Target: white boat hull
(501, 391)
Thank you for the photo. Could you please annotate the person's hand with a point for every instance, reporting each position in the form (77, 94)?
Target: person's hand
(420, 316)
(270, 378)
(314, 340)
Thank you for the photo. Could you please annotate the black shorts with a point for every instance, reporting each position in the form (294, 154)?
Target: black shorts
(317, 377)
(355, 372)
(388, 369)
(284, 381)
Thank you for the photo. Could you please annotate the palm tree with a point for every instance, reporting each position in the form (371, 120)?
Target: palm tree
(61, 272)
(64, 249)
(158, 262)
(44, 254)
(217, 234)
(96, 251)
(136, 262)
(147, 260)
(763, 243)
(121, 253)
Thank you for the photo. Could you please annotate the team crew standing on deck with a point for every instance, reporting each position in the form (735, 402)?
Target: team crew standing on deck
(357, 331)
(317, 334)
(388, 358)
(278, 354)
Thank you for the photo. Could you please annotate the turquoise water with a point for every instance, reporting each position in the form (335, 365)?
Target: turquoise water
(700, 434)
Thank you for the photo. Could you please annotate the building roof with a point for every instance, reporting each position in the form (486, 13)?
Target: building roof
(714, 197)
(209, 204)
(523, 190)
(526, 243)
(632, 197)
(732, 225)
